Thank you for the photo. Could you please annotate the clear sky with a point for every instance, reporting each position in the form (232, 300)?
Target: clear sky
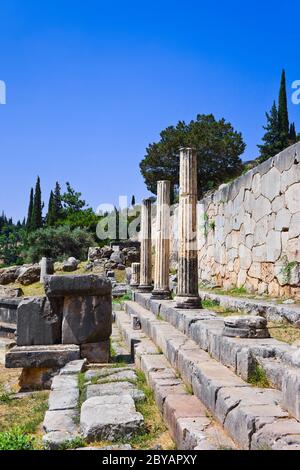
(91, 83)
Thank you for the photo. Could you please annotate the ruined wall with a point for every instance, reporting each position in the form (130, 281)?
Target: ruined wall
(249, 230)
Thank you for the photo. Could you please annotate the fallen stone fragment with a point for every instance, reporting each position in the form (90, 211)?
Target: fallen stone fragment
(110, 418)
(247, 326)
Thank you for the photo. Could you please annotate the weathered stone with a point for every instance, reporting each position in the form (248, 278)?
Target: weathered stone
(60, 420)
(291, 391)
(246, 321)
(270, 184)
(86, 319)
(8, 275)
(294, 228)
(36, 378)
(115, 388)
(64, 382)
(41, 356)
(292, 197)
(10, 292)
(273, 244)
(283, 219)
(30, 275)
(70, 265)
(96, 352)
(73, 367)
(63, 399)
(56, 440)
(281, 434)
(47, 267)
(37, 323)
(187, 290)
(146, 255)
(110, 418)
(117, 257)
(81, 285)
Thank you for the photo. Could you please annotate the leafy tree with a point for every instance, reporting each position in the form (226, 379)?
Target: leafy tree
(218, 148)
(29, 222)
(283, 118)
(37, 219)
(57, 243)
(271, 140)
(71, 201)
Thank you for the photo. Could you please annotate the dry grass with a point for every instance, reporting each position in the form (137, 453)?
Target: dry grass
(284, 332)
(26, 413)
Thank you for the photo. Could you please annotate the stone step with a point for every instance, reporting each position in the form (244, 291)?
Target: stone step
(267, 309)
(189, 422)
(7, 329)
(239, 407)
(241, 355)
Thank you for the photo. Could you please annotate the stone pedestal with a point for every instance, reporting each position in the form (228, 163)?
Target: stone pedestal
(162, 242)
(187, 290)
(246, 326)
(135, 275)
(146, 262)
(47, 267)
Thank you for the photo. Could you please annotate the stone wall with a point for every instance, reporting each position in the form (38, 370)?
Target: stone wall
(249, 230)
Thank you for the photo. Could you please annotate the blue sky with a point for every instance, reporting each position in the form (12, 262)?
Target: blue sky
(91, 83)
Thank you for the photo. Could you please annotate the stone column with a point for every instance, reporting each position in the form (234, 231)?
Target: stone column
(162, 242)
(146, 261)
(46, 265)
(187, 290)
(135, 275)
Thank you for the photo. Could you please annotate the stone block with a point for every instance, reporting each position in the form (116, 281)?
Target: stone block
(38, 323)
(41, 356)
(291, 391)
(282, 434)
(36, 378)
(55, 440)
(74, 367)
(96, 352)
(64, 382)
(60, 420)
(63, 399)
(81, 285)
(86, 319)
(115, 388)
(153, 362)
(110, 418)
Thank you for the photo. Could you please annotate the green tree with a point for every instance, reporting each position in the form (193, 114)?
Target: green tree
(283, 118)
(37, 219)
(271, 139)
(54, 213)
(29, 222)
(218, 148)
(71, 201)
(57, 243)
(133, 201)
(292, 133)
(49, 216)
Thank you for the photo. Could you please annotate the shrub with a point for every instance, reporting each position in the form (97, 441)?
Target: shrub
(15, 439)
(58, 243)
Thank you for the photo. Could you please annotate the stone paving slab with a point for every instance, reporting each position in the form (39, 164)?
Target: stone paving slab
(63, 399)
(110, 418)
(115, 388)
(54, 440)
(64, 382)
(60, 420)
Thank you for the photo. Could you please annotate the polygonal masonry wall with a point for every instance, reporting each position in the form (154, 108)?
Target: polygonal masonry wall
(249, 230)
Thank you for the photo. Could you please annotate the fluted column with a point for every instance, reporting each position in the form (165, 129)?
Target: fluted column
(162, 242)
(135, 275)
(146, 261)
(187, 289)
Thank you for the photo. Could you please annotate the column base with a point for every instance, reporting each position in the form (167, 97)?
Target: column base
(144, 288)
(161, 295)
(134, 286)
(188, 302)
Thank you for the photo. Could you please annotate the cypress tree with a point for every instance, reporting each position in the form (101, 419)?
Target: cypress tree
(292, 133)
(37, 220)
(283, 118)
(271, 140)
(133, 201)
(30, 212)
(49, 216)
(57, 204)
